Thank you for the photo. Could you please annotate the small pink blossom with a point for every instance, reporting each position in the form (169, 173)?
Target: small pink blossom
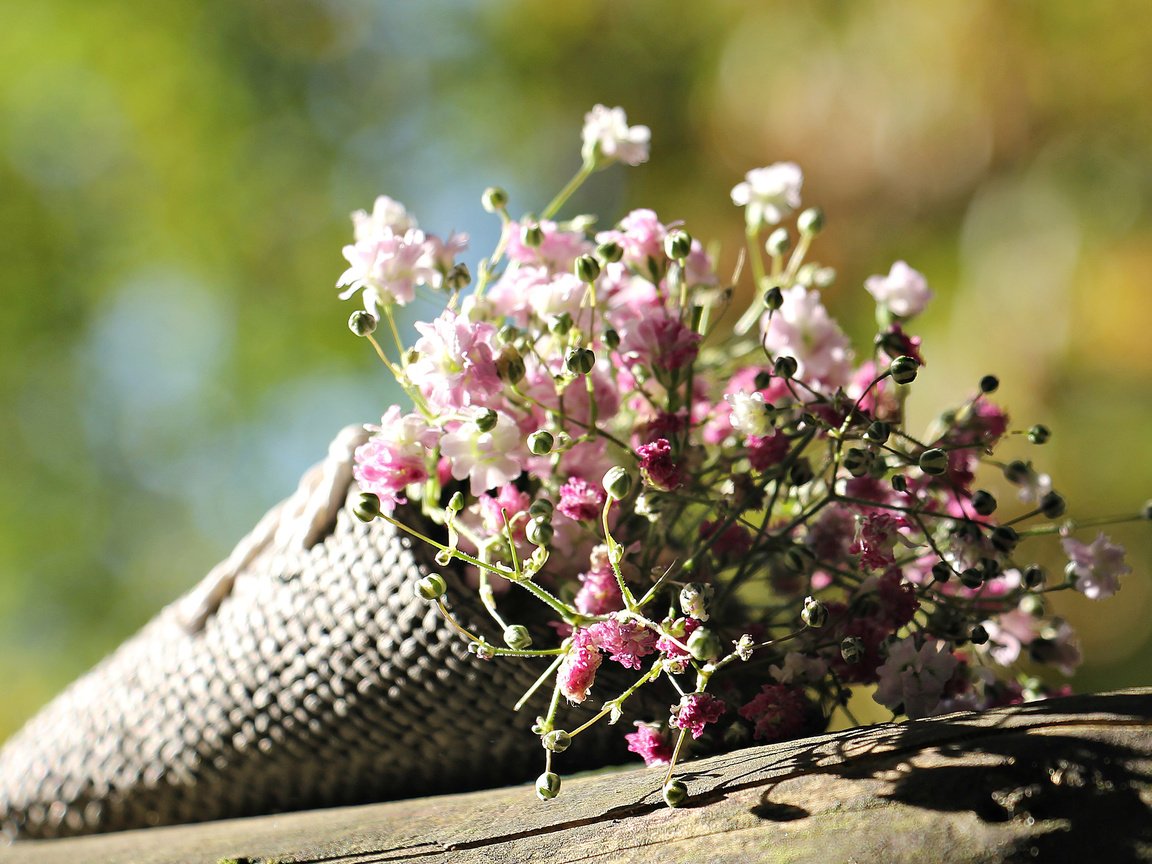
(387, 269)
(681, 628)
(915, 677)
(558, 249)
(767, 451)
(769, 194)
(657, 466)
(876, 538)
(799, 669)
(487, 459)
(802, 328)
(577, 670)
(455, 366)
(655, 747)
(778, 712)
(607, 137)
(510, 502)
(387, 216)
(580, 500)
(625, 641)
(660, 341)
(695, 711)
(1095, 568)
(640, 235)
(395, 457)
(599, 591)
(903, 292)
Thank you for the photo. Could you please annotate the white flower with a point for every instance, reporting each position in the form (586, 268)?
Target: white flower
(902, 292)
(803, 329)
(799, 669)
(750, 413)
(488, 459)
(608, 138)
(388, 216)
(769, 194)
(915, 677)
(1095, 568)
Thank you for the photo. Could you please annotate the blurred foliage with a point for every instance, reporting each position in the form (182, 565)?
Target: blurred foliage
(175, 180)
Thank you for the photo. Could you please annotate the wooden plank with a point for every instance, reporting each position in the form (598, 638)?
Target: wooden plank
(1066, 780)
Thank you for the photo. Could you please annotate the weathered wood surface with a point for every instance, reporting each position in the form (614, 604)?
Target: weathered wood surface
(1065, 780)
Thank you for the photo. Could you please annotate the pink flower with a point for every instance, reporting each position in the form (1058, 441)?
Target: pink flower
(660, 341)
(802, 328)
(508, 501)
(486, 458)
(876, 537)
(455, 366)
(915, 677)
(607, 137)
(778, 712)
(903, 292)
(625, 641)
(394, 457)
(581, 500)
(577, 670)
(695, 711)
(640, 235)
(654, 746)
(1095, 568)
(769, 194)
(657, 467)
(386, 268)
(599, 592)
(388, 215)
(765, 451)
(557, 251)
(530, 290)
(681, 628)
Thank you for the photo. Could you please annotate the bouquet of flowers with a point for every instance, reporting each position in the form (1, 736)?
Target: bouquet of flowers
(726, 503)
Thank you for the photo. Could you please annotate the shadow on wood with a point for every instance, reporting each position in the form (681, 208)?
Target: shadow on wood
(1064, 780)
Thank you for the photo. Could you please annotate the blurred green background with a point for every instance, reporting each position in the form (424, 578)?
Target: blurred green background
(176, 178)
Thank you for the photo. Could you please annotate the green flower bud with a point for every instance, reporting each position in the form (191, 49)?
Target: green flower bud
(778, 242)
(547, 786)
(878, 432)
(510, 365)
(368, 508)
(773, 298)
(362, 323)
(984, 503)
(800, 472)
(557, 741)
(540, 442)
(798, 558)
(610, 252)
(560, 325)
(811, 221)
(458, 277)
(677, 245)
(539, 532)
(1034, 576)
(989, 384)
(933, 461)
(971, 577)
(456, 502)
(857, 461)
(580, 361)
(904, 369)
(1017, 472)
(785, 366)
(1004, 539)
(694, 599)
(1039, 434)
(486, 420)
(508, 334)
(432, 587)
(704, 644)
(675, 793)
(1053, 505)
(900, 483)
(541, 509)
(517, 636)
(814, 613)
(941, 571)
(852, 649)
(979, 635)
(611, 339)
(531, 236)
(494, 199)
(587, 268)
(617, 482)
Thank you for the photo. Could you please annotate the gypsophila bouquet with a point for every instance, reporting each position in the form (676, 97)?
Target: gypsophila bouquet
(726, 504)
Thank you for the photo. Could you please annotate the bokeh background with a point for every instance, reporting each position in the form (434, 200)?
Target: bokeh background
(176, 178)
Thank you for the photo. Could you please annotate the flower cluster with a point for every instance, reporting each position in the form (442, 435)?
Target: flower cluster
(685, 489)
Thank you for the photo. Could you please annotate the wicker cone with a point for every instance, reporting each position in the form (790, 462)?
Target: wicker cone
(321, 680)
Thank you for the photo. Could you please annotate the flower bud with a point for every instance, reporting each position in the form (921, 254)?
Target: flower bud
(811, 221)
(677, 245)
(494, 199)
(617, 482)
(800, 472)
(1034, 576)
(878, 432)
(539, 532)
(989, 384)
(857, 461)
(904, 369)
(531, 236)
(456, 502)
(1004, 539)
(773, 298)
(510, 365)
(785, 366)
(368, 508)
(557, 741)
(933, 461)
(517, 636)
(1052, 505)
(362, 323)
(560, 325)
(587, 268)
(457, 278)
(547, 786)
(508, 334)
(610, 252)
(979, 635)
(814, 613)
(675, 793)
(540, 442)
(941, 571)
(1039, 434)
(852, 649)
(778, 242)
(611, 339)
(798, 558)
(432, 587)
(1017, 472)
(541, 509)
(983, 502)
(580, 361)
(900, 483)
(704, 644)
(694, 598)
(970, 577)
(486, 420)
